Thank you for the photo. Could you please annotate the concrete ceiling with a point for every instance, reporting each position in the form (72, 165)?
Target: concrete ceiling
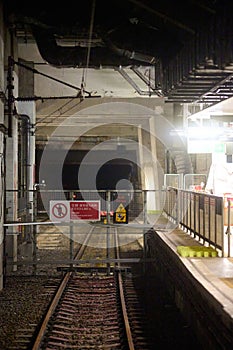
(179, 50)
(119, 32)
(81, 54)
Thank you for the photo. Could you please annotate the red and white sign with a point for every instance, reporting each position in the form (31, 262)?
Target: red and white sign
(74, 210)
(59, 211)
(85, 210)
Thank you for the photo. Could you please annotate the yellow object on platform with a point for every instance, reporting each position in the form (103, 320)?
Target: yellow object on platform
(196, 251)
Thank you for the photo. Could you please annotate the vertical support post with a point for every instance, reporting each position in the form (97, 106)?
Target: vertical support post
(228, 228)
(108, 229)
(108, 206)
(34, 229)
(177, 207)
(34, 204)
(4, 264)
(223, 228)
(215, 222)
(144, 193)
(209, 219)
(34, 248)
(10, 88)
(226, 235)
(71, 241)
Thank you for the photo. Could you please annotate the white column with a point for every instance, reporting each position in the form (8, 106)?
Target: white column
(148, 163)
(156, 172)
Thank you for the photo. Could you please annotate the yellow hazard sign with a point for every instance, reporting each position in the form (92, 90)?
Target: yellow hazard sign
(121, 209)
(120, 215)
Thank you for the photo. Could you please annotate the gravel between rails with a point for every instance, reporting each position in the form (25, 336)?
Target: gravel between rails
(25, 298)
(22, 304)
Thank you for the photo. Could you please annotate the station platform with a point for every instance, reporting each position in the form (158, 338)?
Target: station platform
(214, 271)
(202, 286)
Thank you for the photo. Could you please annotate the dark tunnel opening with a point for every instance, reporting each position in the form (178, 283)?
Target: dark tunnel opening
(105, 175)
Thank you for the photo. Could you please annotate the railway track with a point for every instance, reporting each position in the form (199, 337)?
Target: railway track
(86, 316)
(99, 310)
(95, 307)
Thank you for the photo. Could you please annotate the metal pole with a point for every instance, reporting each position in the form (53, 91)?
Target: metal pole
(108, 229)
(71, 242)
(34, 230)
(144, 193)
(34, 248)
(229, 228)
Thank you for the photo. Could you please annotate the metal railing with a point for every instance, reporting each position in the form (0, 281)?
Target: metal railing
(25, 237)
(206, 217)
(187, 181)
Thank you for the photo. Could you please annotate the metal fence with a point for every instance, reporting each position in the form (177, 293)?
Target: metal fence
(29, 232)
(35, 205)
(187, 181)
(207, 217)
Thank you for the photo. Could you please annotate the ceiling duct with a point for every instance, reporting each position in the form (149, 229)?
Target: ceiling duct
(66, 56)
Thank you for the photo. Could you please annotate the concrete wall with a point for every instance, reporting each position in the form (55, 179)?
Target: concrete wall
(202, 312)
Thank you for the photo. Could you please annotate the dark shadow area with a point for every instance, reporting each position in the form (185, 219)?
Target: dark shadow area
(165, 326)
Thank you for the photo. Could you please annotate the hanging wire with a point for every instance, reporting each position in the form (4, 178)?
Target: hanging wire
(84, 76)
(54, 111)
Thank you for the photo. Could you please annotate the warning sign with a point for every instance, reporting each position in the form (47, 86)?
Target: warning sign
(59, 211)
(85, 210)
(120, 216)
(65, 211)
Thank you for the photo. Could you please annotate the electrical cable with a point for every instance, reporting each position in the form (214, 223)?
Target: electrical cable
(84, 76)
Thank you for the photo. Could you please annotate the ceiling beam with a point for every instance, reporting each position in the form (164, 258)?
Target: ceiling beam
(163, 16)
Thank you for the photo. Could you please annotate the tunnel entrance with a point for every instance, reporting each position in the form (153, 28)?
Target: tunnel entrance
(108, 174)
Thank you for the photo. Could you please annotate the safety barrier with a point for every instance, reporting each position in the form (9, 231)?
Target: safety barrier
(141, 205)
(136, 201)
(31, 251)
(205, 216)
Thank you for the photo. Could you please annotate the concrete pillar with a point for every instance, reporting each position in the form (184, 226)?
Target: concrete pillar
(140, 157)
(157, 170)
(147, 160)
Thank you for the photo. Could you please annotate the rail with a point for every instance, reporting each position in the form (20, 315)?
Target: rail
(63, 288)
(207, 217)
(56, 299)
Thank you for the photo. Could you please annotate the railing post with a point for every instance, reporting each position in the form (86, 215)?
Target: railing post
(229, 225)
(178, 216)
(34, 248)
(144, 229)
(108, 195)
(228, 231)
(71, 241)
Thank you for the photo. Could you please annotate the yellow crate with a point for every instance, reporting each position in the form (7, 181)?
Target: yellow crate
(197, 251)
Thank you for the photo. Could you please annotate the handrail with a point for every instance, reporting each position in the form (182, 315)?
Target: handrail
(205, 216)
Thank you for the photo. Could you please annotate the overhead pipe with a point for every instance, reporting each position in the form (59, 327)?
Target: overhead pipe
(109, 55)
(10, 97)
(25, 157)
(132, 55)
